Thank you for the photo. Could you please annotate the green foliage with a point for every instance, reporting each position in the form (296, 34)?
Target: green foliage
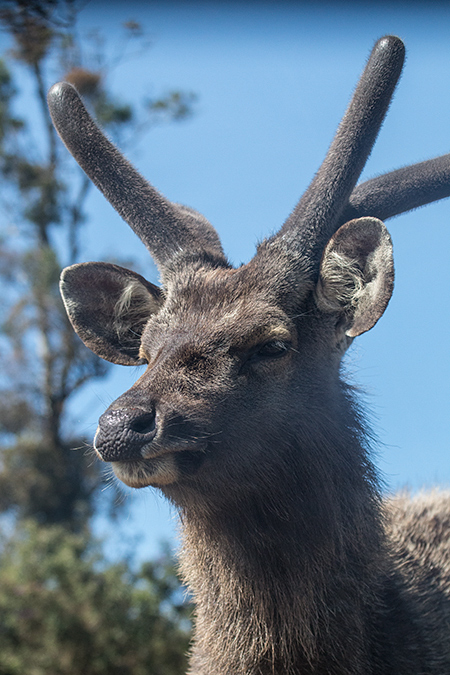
(8, 123)
(44, 473)
(65, 612)
(176, 105)
(52, 483)
(43, 196)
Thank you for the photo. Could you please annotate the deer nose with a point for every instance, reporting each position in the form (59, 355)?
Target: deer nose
(123, 433)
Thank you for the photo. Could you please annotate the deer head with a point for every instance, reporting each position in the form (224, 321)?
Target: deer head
(244, 358)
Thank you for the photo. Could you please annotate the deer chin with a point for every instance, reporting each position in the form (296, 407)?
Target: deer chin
(147, 472)
(159, 471)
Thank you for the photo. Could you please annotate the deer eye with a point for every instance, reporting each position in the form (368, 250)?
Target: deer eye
(273, 349)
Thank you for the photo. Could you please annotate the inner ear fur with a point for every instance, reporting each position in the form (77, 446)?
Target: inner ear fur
(356, 277)
(108, 307)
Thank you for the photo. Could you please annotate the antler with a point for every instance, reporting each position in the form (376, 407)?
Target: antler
(331, 199)
(165, 228)
(401, 190)
(317, 215)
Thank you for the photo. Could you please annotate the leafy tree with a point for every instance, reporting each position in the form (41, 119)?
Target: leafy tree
(43, 472)
(63, 611)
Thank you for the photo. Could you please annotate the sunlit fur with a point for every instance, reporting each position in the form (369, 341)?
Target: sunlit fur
(243, 418)
(135, 302)
(141, 473)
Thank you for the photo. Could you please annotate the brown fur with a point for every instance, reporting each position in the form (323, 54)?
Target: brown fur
(243, 420)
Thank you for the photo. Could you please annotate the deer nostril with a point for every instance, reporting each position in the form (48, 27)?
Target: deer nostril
(144, 424)
(123, 433)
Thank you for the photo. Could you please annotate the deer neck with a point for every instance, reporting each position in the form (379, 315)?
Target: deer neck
(279, 591)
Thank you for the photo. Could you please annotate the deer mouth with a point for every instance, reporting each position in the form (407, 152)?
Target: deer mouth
(164, 469)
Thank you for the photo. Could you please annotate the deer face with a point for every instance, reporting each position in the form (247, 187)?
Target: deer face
(209, 343)
(238, 358)
(231, 359)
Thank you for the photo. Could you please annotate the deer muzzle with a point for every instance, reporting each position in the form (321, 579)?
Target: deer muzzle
(125, 434)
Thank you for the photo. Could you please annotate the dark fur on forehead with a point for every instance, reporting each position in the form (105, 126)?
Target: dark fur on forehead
(279, 273)
(184, 261)
(226, 297)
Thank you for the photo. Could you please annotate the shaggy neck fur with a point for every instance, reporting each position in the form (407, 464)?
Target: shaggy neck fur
(283, 578)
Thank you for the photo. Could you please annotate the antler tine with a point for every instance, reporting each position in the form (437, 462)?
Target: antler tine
(163, 227)
(316, 216)
(401, 190)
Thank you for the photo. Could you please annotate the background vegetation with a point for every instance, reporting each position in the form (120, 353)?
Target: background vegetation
(63, 608)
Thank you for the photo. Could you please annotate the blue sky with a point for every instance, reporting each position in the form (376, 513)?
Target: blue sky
(273, 80)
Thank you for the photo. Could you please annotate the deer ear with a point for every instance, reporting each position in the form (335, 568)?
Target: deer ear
(108, 307)
(356, 275)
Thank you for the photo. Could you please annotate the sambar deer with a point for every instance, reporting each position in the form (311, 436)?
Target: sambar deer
(243, 420)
